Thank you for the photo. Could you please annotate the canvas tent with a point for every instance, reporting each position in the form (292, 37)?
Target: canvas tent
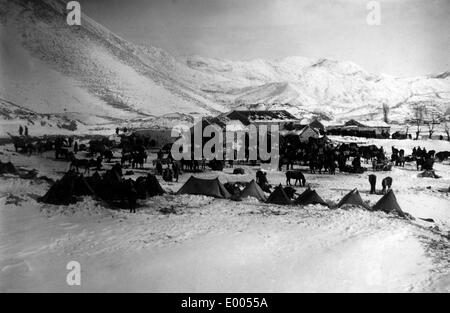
(279, 196)
(388, 204)
(253, 190)
(81, 186)
(148, 186)
(62, 191)
(310, 197)
(352, 198)
(153, 186)
(7, 168)
(206, 187)
(94, 180)
(65, 190)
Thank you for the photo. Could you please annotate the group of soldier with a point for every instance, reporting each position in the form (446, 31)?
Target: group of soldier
(23, 131)
(424, 159)
(172, 171)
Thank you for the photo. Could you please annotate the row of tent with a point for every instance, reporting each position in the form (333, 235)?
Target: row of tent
(71, 185)
(66, 190)
(214, 188)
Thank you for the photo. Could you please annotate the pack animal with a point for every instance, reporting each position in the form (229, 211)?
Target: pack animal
(76, 164)
(442, 155)
(298, 176)
(107, 155)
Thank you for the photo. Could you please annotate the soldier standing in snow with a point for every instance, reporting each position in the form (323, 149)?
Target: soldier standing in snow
(373, 183)
(176, 171)
(26, 131)
(160, 154)
(132, 198)
(20, 130)
(203, 164)
(159, 168)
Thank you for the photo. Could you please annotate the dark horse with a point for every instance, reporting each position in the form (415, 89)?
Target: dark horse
(297, 175)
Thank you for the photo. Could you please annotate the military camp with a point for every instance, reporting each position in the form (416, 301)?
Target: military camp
(224, 146)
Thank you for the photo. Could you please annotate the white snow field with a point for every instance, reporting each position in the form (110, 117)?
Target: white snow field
(215, 245)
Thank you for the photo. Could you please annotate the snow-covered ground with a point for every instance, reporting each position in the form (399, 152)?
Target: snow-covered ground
(208, 244)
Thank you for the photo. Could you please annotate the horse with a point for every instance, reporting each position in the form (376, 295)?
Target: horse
(39, 147)
(442, 155)
(138, 159)
(83, 163)
(313, 164)
(332, 167)
(424, 163)
(30, 148)
(298, 176)
(97, 146)
(107, 155)
(400, 161)
(286, 159)
(62, 153)
(320, 164)
(126, 158)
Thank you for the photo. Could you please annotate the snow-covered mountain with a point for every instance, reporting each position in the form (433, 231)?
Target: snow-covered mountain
(50, 67)
(337, 89)
(88, 74)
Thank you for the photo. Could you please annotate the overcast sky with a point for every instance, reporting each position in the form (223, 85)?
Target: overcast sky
(413, 38)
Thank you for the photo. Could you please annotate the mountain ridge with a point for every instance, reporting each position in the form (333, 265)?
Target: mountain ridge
(94, 72)
(328, 86)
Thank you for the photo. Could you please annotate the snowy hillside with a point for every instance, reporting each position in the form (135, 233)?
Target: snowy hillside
(335, 88)
(88, 74)
(88, 69)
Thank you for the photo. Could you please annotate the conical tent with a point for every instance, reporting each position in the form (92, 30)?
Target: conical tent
(206, 187)
(96, 176)
(388, 203)
(153, 186)
(7, 168)
(310, 197)
(62, 191)
(352, 198)
(253, 190)
(94, 180)
(81, 186)
(278, 196)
